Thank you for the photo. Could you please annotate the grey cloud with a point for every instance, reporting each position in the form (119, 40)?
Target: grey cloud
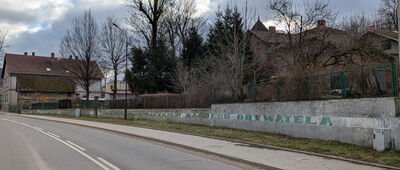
(47, 41)
(12, 16)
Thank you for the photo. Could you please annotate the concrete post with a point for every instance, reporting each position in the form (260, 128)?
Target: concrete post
(96, 99)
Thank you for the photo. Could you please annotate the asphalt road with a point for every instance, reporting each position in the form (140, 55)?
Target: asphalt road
(38, 144)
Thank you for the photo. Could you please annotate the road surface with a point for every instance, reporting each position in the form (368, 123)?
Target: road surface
(27, 143)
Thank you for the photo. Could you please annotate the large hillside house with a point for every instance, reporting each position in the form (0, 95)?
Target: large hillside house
(31, 79)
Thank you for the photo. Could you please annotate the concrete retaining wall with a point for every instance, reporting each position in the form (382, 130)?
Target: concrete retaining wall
(350, 121)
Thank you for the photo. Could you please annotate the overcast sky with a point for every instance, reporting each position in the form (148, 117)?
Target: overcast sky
(38, 25)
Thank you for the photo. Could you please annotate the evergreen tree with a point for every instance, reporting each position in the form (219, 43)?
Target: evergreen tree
(192, 47)
(227, 26)
(161, 67)
(216, 35)
(151, 73)
(137, 74)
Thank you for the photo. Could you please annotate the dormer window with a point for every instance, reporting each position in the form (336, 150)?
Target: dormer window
(258, 45)
(48, 69)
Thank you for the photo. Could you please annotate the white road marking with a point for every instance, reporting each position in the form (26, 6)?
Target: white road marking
(79, 151)
(25, 124)
(53, 134)
(37, 128)
(77, 146)
(50, 135)
(65, 143)
(108, 163)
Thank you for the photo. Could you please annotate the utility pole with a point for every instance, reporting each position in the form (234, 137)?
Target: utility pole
(398, 38)
(126, 69)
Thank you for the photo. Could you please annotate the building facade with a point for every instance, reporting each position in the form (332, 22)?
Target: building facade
(31, 79)
(109, 90)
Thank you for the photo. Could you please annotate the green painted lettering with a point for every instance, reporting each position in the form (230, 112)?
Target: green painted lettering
(227, 116)
(279, 118)
(188, 115)
(248, 117)
(205, 116)
(220, 116)
(257, 117)
(298, 119)
(308, 121)
(287, 119)
(239, 117)
(326, 121)
(212, 116)
(194, 115)
(178, 115)
(269, 118)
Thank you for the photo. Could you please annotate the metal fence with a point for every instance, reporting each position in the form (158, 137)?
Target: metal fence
(374, 81)
(164, 101)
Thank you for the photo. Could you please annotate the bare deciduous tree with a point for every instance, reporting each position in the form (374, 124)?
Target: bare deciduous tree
(179, 18)
(3, 36)
(185, 79)
(232, 62)
(112, 43)
(304, 48)
(357, 25)
(145, 18)
(81, 41)
(388, 14)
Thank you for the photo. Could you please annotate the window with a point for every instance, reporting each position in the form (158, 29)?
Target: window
(258, 45)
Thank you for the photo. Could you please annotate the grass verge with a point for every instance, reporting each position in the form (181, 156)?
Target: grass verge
(390, 157)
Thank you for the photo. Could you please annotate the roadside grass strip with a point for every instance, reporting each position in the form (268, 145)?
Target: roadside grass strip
(334, 148)
(72, 146)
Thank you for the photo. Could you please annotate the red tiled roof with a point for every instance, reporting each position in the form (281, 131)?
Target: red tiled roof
(36, 65)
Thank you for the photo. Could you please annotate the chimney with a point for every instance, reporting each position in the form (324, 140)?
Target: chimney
(70, 57)
(33, 53)
(372, 27)
(272, 29)
(321, 23)
(25, 53)
(52, 55)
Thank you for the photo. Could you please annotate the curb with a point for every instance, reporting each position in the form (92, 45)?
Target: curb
(254, 164)
(248, 144)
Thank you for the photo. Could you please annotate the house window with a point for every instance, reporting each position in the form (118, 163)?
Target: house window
(258, 45)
